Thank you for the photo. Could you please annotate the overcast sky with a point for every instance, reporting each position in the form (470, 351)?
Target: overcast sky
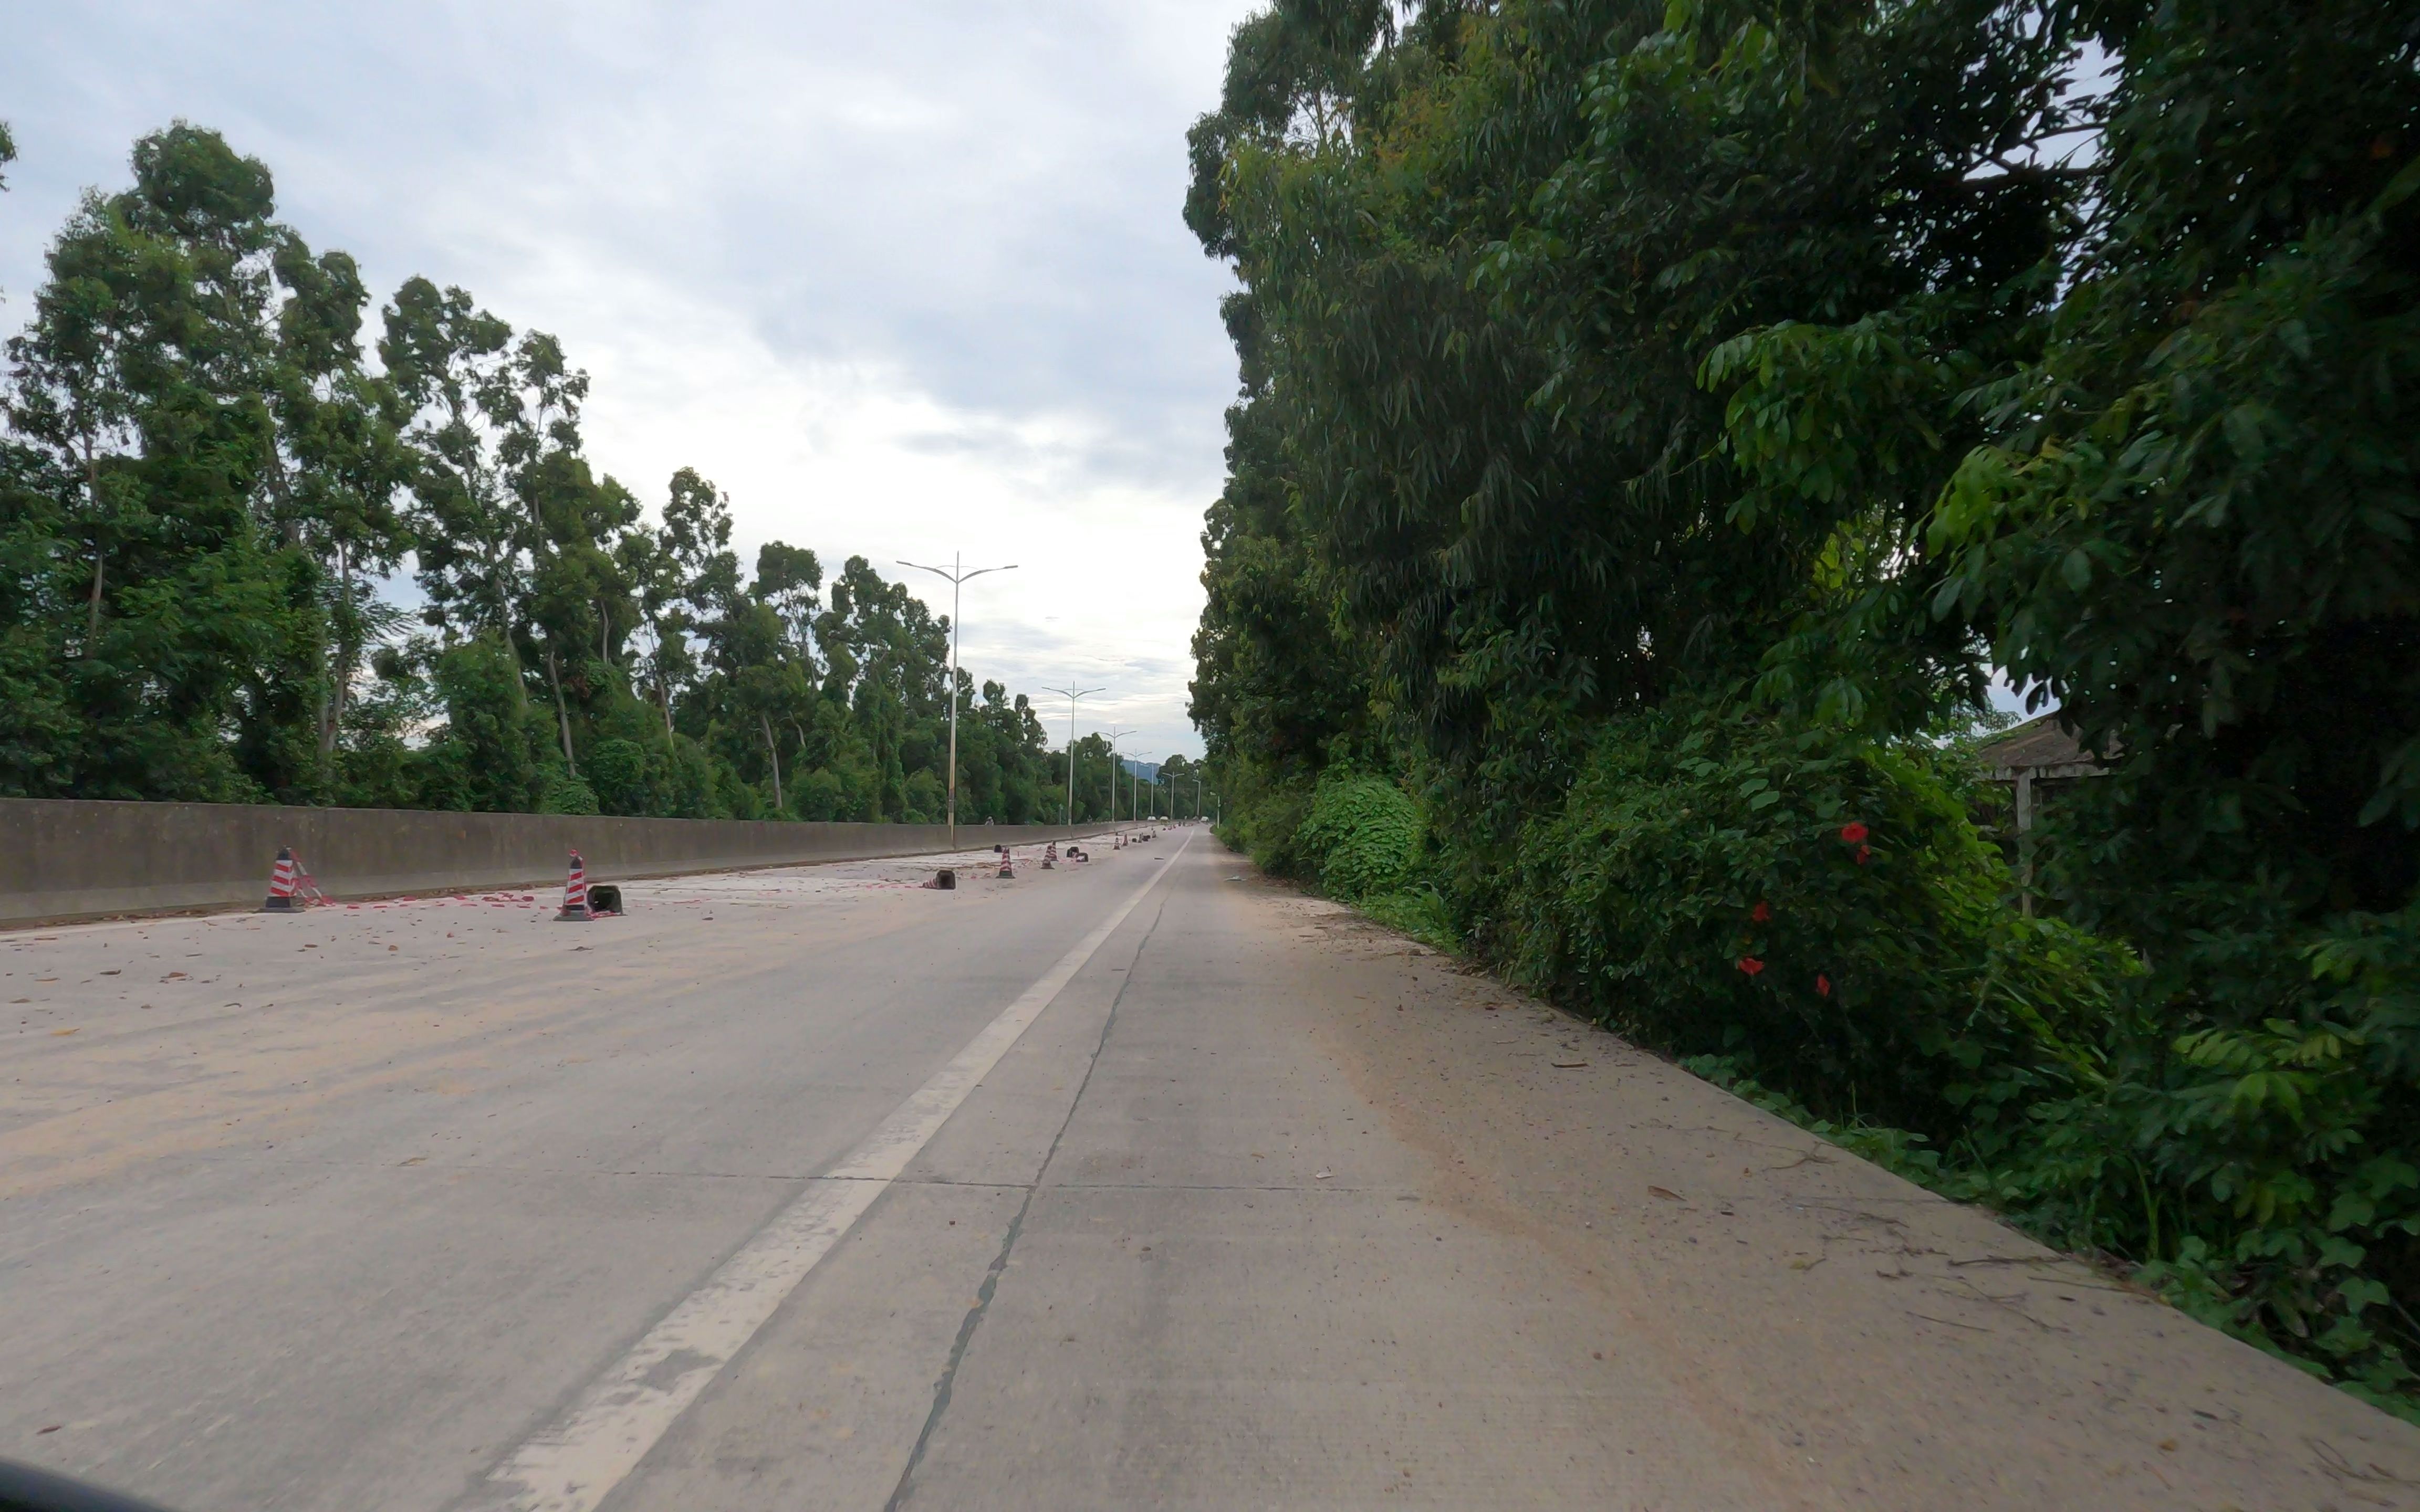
(904, 279)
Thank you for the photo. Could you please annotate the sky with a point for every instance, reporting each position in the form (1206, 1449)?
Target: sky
(907, 281)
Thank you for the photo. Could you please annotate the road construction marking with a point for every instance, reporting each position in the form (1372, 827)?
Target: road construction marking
(574, 1462)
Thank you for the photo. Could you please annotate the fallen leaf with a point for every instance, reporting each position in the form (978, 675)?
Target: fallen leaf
(1669, 1196)
(53, 1428)
(55, 1033)
(112, 971)
(1567, 1065)
(1322, 1176)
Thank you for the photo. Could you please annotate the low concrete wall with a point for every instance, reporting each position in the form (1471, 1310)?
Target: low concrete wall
(67, 858)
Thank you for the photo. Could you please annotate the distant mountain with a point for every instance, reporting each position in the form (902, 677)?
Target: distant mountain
(1148, 771)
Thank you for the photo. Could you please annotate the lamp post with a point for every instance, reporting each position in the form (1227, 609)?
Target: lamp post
(1134, 794)
(1114, 732)
(959, 576)
(1071, 692)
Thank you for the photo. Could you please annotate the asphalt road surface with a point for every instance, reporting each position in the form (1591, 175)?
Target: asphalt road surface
(1142, 1183)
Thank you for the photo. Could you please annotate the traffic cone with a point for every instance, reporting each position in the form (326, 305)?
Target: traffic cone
(574, 893)
(1007, 863)
(1050, 856)
(283, 895)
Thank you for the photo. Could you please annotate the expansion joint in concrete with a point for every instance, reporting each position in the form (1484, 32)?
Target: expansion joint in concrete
(942, 1388)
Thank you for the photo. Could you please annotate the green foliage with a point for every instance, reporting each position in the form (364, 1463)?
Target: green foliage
(1361, 837)
(1657, 423)
(567, 795)
(203, 481)
(1824, 913)
(1418, 911)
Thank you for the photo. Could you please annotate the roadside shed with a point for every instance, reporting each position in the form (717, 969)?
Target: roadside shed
(2040, 750)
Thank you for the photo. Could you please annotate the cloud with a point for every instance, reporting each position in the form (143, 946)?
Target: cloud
(906, 280)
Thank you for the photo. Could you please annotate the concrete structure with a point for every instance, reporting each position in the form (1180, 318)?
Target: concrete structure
(1099, 1189)
(69, 859)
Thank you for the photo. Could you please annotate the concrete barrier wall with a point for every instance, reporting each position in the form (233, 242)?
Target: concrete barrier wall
(67, 858)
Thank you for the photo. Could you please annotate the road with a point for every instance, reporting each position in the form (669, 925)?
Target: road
(1142, 1183)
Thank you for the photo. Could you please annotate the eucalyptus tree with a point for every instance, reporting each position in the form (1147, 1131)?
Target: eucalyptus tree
(144, 384)
(444, 356)
(1656, 410)
(204, 482)
(344, 465)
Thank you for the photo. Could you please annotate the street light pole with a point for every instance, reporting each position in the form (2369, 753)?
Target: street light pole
(1072, 693)
(1114, 733)
(1133, 793)
(960, 577)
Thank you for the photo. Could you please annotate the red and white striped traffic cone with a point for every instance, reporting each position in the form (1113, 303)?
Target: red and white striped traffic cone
(284, 893)
(1007, 862)
(574, 893)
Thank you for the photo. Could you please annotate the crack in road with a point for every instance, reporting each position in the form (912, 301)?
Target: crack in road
(942, 1388)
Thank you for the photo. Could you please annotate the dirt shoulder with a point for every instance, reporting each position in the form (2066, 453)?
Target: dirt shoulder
(1875, 1343)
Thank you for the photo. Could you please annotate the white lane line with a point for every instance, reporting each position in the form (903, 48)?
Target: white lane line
(570, 1465)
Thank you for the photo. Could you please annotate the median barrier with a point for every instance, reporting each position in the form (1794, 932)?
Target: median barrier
(69, 859)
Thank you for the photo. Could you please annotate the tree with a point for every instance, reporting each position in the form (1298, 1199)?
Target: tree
(204, 484)
(1656, 421)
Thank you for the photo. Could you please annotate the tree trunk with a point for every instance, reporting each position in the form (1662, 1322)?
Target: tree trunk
(339, 677)
(92, 625)
(767, 725)
(562, 712)
(100, 551)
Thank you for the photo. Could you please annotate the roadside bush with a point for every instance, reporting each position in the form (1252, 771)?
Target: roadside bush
(569, 795)
(617, 770)
(1823, 914)
(1819, 926)
(1360, 836)
(1265, 822)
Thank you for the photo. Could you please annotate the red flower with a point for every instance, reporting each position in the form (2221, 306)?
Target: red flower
(1854, 832)
(1822, 985)
(1750, 965)
(1761, 911)
(1864, 853)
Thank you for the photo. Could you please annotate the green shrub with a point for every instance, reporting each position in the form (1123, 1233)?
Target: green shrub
(569, 795)
(617, 769)
(1420, 911)
(1361, 837)
(1824, 913)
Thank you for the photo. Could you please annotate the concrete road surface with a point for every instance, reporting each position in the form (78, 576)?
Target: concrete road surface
(1144, 1183)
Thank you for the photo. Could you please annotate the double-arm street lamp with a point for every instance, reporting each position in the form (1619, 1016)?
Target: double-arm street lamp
(959, 576)
(1071, 693)
(1133, 793)
(1113, 732)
